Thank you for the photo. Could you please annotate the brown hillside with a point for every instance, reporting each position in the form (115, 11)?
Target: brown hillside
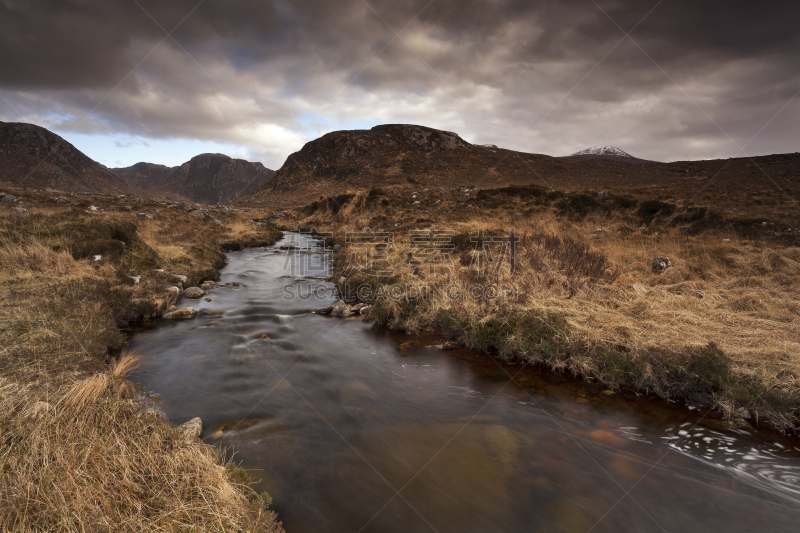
(415, 157)
(33, 157)
(206, 178)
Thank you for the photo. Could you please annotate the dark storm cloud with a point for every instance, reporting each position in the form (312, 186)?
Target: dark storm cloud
(495, 71)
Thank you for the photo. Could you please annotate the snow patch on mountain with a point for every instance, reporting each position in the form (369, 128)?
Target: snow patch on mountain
(603, 150)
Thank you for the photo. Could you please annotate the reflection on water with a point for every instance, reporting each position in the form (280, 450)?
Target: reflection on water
(352, 428)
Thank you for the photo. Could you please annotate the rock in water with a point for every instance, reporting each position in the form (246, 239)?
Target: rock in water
(207, 285)
(194, 292)
(192, 429)
(340, 309)
(184, 312)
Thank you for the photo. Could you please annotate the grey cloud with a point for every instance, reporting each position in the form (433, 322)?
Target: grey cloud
(495, 71)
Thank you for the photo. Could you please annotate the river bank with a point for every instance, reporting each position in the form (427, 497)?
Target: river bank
(351, 425)
(714, 324)
(80, 448)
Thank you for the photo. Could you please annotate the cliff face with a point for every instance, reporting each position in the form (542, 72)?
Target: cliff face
(206, 178)
(33, 157)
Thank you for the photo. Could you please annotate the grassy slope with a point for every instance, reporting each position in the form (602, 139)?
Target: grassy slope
(79, 452)
(719, 328)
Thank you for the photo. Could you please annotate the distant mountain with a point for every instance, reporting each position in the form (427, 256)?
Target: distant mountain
(418, 158)
(602, 150)
(33, 157)
(206, 178)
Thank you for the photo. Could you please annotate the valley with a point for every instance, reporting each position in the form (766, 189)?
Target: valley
(616, 285)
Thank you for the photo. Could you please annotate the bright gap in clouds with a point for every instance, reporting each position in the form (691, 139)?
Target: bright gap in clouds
(126, 150)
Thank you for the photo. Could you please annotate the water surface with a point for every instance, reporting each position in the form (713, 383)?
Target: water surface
(352, 427)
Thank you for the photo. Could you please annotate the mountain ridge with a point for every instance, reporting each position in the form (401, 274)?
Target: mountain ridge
(404, 157)
(205, 178)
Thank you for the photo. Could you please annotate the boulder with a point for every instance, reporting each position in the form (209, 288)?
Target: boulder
(197, 213)
(145, 215)
(355, 308)
(324, 310)
(192, 429)
(364, 310)
(180, 277)
(172, 288)
(660, 264)
(340, 309)
(178, 314)
(206, 285)
(8, 198)
(59, 200)
(20, 209)
(194, 292)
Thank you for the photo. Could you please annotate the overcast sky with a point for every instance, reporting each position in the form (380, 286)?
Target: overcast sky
(259, 78)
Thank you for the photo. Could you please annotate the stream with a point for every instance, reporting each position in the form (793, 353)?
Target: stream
(353, 427)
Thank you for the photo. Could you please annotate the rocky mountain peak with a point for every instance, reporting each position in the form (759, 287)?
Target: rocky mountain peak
(602, 150)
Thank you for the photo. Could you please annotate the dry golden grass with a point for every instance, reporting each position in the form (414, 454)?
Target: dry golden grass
(91, 459)
(737, 297)
(79, 452)
(61, 309)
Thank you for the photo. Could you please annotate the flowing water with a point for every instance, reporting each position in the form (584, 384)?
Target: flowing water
(352, 427)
